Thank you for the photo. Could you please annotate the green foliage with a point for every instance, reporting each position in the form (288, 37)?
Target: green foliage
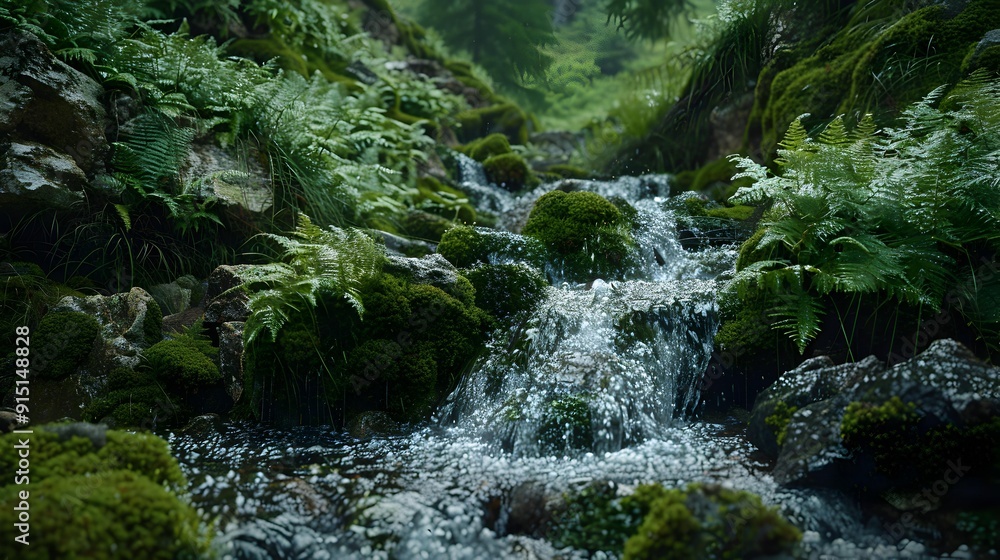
(897, 214)
(596, 519)
(509, 171)
(181, 365)
(587, 233)
(317, 261)
(503, 118)
(67, 339)
(779, 420)
(710, 522)
(123, 492)
(565, 425)
(647, 19)
(506, 291)
(503, 38)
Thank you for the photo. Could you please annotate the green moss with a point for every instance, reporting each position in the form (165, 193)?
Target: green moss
(466, 247)
(695, 206)
(126, 378)
(504, 118)
(440, 199)
(566, 171)
(565, 425)
(65, 343)
(739, 213)
(717, 171)
(506, 290)
(710, 522)
(152, 327)
(779, 420)
(180, 364)
(586, 232)
(122, 494)
(484, 148)
(425, 225)
(150, 398)
(595, 519)
(509, 171)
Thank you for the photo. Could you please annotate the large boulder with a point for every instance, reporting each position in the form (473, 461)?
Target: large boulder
(130, 322)
(946, 384)
(225, 303)
(46, 101)
(33, 176)
(240, 186)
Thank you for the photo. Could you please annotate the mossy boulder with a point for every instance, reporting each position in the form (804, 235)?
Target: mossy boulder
(466, 246)
(567, 171)
(508, 171)
(588, 236)
(699, 521)
(506, 290)
(65, 341)
(121, 487)
(503, 118)
(484, 148)
(182, 364)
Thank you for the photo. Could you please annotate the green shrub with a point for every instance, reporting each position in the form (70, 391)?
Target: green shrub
(587, 233)
(565, 425)
(506, 290)
(116, 500)
(65, 341)
(484, 148)
(181, 365)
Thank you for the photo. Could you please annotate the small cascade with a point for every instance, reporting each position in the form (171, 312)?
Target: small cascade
(593, 370)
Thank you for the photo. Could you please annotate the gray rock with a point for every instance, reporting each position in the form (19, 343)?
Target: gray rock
(176, 296)
(240, 186)
(990, 39)
(201, 426)
(231, 358)
(96, 433)
(372, 423)
(431, 269)
(225, 303)
(123, 318)
(8, 421)
(33, 176)
(50, 102)
(946, 383)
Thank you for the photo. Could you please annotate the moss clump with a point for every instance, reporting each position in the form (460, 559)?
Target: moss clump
(588, 234)
(66, 340)
(509, 171)
(147, 405)
(466, 247)
(506, 290)
(565, 425)
(738, 213)
(717, 171)
(152, 327)
(182, 365)
(884, 430)
(504, 118)
(437, 198)
(566, 171)
(425, 225)
(779, 420)
(123, 493)
(709, 522)
(485, 148)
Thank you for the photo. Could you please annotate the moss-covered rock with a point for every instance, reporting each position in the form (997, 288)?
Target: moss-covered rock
(65, 341)
(565, 425)
(567, 171)
(506, 290)
(182, 365)
(587, 234)
(466, 247)
(504, 118)
(120, 487)
(508, 171)
(484, 148)
(709, 522)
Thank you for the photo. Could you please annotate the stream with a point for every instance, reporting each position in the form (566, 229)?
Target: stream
(599, 386)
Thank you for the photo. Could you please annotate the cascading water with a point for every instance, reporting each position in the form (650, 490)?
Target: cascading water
(595, 386)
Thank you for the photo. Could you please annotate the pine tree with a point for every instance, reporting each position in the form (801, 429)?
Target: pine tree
(647, 19)
(503, 37)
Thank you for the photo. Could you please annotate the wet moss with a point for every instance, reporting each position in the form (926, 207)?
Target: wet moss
(66, 341)
(152, 326)
(567, 171)
(181, 365)
(504, 118)
(506, 290)
(588, 234)
(483, 148)
(466, 247)
(508, 171)
(566, 425)
(779, 421)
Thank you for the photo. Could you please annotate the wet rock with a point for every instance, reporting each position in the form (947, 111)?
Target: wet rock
(990, 40)
(130, 322)
(46, 101)
(372, 423)
(231, 358)
(177, 322)
(240, 186)
(814, 380)
(8, 421)
(176, 296)
(946, 383)
(431, 269)
(403, 246)
(204, 425)
(224, 303)
(529, 509)
(33, 176)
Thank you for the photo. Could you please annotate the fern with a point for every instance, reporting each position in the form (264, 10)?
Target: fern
(314, 262)
(860, 212)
